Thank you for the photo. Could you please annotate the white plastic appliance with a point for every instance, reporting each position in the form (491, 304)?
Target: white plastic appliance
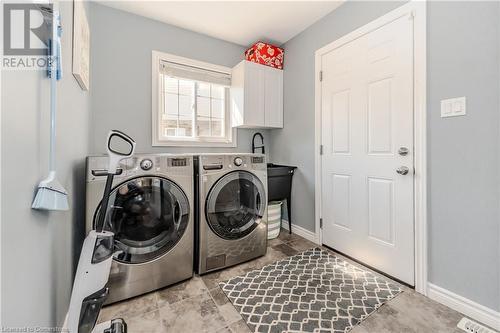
(89, 288)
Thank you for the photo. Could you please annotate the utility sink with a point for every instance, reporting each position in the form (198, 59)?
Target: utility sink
(274, 170)
(279, 185)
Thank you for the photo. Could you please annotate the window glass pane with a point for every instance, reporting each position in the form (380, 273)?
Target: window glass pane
(204, 89)
(217, 128)
(217, 91)
(203, 125)
(203, 106)
(171, 104)
(169, 117)
(186, 106)
(171, 123)
(170, 131)
(217, 108)
(171, 85)
(186, 87)
(185, 127)
(181, 112)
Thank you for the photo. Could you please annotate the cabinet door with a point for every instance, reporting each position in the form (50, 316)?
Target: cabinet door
(273, 97)
(254, 95)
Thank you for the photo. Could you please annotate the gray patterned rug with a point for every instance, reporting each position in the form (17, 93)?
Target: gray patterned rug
(313, 291)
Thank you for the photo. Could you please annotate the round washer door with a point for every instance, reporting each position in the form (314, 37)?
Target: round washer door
(148, 216)
(235, 205)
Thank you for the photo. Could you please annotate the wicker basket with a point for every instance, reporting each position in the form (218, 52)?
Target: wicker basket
(273, 219)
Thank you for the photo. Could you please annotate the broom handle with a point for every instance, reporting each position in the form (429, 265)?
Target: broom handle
(53, 81)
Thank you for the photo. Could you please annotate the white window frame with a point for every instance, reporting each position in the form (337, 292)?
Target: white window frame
(156, 105)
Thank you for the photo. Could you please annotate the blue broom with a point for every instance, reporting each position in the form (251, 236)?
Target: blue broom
(51, 195)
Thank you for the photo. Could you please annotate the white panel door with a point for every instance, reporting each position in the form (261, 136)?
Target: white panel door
(367, 118)
(254, 95)
(273, 97)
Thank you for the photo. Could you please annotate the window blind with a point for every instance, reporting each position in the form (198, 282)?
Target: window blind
(194, 73)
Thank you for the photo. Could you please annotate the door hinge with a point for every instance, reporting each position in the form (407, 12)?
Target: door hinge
(321, 149)
(321, 223)
(320, 76)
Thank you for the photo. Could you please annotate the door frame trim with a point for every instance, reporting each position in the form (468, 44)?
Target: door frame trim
(416, 10)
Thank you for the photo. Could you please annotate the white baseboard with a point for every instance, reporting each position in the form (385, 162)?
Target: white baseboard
(461, 304)
(300, 231)
(65, 324)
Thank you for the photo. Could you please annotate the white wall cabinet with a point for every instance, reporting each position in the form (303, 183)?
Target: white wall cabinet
(256, 96)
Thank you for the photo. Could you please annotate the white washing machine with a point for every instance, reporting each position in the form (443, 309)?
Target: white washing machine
(151, 213)
(232, 211)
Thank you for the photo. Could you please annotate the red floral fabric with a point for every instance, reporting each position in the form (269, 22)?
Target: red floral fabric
(265, 54)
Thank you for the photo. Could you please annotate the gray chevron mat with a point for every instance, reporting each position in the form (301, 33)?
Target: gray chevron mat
(313, 291)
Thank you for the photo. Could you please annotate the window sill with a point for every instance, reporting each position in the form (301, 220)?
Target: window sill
(205, 144)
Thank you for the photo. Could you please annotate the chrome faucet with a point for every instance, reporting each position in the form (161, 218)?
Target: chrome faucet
(261, 142)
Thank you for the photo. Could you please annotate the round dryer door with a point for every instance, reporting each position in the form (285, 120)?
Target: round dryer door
(148, 216)
(235, 205)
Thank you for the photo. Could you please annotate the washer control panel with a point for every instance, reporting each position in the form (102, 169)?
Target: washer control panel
(238, 161)
(146, 164)
(257, 159)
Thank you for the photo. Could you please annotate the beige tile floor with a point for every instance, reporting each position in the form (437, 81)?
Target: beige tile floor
(199, 305)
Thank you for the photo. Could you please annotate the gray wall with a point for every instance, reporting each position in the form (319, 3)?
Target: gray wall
(121, 72)
(463, 60)
(37, 247)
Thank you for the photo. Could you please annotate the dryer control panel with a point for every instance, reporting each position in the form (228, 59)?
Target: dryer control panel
(258, 159)
(214, 163)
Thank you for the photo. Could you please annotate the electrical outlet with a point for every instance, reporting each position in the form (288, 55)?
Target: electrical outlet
(468, 325)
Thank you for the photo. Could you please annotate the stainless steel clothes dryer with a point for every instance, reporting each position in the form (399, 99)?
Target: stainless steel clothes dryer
(151, 214)
(232, 217)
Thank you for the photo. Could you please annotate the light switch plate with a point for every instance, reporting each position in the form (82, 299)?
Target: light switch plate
(453, 107)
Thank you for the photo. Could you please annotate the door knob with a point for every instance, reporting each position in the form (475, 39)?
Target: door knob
(403, 170)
